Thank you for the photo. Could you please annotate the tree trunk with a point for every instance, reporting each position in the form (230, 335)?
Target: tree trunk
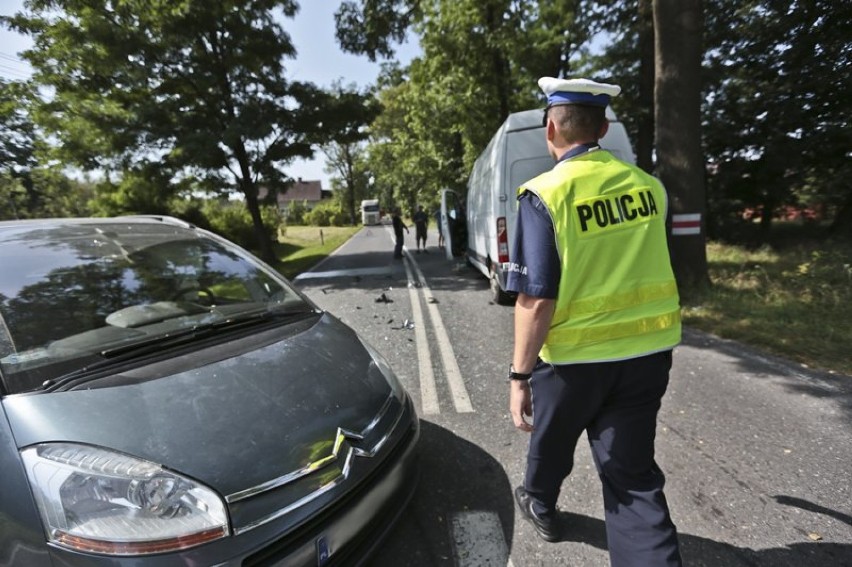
(263, 243)
(249, 189)
(499, 65)
(349, 179)
(645, 140)
(680, 162)
(840, 226)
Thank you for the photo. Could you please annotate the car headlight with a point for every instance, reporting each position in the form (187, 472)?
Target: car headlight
(100, 501)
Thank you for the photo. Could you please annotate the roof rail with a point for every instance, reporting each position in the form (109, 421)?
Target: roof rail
(162, 218)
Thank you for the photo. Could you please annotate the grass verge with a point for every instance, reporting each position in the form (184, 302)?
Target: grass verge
(299, 248)
(795, 302)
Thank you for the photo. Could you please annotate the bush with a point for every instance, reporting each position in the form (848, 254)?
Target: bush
(328, 213)
(233, 221)
(296, 212)
(190, 210)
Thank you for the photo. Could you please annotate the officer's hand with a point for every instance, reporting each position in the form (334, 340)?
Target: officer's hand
(520, 404)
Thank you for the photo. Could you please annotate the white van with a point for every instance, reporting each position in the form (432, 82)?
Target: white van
(516, 154)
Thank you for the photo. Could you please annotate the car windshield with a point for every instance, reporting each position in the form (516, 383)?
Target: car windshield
(71, 291)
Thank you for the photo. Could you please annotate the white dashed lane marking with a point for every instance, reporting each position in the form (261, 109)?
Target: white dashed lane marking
(461, 399)
(428, 390)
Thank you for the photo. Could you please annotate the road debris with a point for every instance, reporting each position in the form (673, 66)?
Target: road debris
(407, 324)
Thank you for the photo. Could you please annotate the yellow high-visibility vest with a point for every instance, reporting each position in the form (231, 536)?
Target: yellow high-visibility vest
(617, 294)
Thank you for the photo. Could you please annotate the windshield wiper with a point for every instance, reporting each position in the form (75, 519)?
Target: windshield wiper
(117, 355)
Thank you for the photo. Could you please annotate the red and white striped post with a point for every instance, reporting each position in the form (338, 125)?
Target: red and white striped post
(683, 225)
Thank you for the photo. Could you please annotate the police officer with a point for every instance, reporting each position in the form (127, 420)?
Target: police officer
(596, 319)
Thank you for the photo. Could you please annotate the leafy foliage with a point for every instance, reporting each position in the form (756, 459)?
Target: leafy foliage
(296, 212)
(199, 88)
(777, 113)
(327, 213)
(371, 26)
(480, 62)
(17, 131)
(344, 152)
(234, 222)
(18, 196)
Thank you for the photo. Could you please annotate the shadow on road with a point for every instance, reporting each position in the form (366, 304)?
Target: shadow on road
(457, 477)
(702, 552)
(460, 477)
(797, 379)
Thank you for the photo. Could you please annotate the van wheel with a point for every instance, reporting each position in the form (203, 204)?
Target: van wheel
(498, 296)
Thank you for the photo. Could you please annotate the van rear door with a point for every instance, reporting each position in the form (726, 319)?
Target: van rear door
(453, 224)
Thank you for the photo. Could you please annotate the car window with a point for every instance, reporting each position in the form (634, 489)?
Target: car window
(82, 290)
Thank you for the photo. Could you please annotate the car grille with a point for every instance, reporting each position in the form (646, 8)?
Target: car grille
(281, 550)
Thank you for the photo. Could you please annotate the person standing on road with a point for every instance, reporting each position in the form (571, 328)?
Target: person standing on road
(596, 319)
(421, 220)
(440, 232)
(398, 226)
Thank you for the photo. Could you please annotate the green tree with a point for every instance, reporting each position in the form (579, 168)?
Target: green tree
(627, 60)
(18, 195)
(147, 188)
(351, 183)
(778, 108)
(198, 87)
(61, 195)
(371, 27)
(480, 62)
(355, 111)
(296, 212)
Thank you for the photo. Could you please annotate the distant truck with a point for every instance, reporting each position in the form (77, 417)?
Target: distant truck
(483, 229)
(370, 212)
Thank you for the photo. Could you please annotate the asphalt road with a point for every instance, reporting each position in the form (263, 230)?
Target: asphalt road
(757, 450)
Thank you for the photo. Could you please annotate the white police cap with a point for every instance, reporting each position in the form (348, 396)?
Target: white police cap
(577, 91)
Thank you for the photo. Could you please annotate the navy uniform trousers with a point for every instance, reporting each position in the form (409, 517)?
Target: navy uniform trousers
(616, 403)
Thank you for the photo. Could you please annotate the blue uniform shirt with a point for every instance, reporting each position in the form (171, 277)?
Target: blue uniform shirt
(535, 269)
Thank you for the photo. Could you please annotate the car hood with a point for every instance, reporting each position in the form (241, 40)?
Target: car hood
(233, 424)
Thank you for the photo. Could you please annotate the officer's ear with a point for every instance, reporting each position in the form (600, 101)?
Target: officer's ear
(550, 130)
(604, 129)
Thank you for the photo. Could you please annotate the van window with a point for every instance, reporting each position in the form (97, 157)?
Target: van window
(617, 142)
(526, 156)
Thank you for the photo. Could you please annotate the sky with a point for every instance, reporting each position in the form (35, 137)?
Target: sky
(319, 61)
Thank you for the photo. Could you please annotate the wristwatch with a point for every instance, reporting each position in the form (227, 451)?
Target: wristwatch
(523, 376)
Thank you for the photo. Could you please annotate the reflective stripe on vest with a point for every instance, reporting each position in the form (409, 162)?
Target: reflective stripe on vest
(601, 333)
(604, 303)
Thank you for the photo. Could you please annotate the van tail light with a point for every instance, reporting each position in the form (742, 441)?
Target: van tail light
(502, 241)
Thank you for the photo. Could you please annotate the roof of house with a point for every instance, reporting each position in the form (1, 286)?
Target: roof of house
(301, 190)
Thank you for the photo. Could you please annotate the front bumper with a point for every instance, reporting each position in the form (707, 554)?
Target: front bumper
(343, 532)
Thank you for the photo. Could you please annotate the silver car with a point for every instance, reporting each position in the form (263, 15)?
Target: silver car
(168, 399)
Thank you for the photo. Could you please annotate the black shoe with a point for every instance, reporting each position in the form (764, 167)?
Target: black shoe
(547, 525)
